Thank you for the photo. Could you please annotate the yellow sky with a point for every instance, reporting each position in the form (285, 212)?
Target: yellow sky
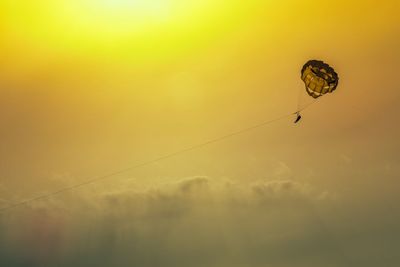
(90, 87)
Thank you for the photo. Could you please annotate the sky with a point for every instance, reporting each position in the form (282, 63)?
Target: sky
(92, 87)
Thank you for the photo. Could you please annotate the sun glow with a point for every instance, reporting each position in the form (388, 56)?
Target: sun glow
(151, 29)
(123, 12)
(130, 16)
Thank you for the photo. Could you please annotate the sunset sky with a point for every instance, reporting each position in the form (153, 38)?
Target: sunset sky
(90, 87)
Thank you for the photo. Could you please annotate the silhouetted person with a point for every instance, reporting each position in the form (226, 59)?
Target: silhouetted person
(298, 118)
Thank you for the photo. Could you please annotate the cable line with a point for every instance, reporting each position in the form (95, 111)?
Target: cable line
(152, 161)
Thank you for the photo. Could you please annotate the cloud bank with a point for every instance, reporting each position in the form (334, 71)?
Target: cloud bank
(193, 222)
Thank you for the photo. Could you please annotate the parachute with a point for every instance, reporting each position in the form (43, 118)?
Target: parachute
(319, 78)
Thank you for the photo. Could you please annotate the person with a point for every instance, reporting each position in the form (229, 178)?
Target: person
(298, 118)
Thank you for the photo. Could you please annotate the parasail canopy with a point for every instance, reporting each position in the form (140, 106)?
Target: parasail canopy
(319, 78)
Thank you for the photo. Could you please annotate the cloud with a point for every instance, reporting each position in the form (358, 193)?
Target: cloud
(289, 189)
(193, 222)
(281, 188)
(282, 171)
